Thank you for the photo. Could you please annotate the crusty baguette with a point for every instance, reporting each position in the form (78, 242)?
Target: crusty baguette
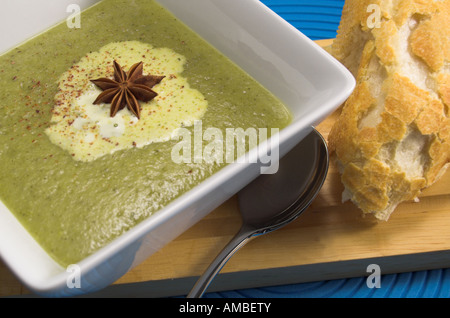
(392, 138)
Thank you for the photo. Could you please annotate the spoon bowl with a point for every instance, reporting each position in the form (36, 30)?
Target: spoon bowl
(274, 200)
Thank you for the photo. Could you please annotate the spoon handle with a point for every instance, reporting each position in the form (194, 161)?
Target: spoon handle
(239, 240)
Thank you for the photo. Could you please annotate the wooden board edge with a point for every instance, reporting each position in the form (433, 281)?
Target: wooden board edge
(280, 276)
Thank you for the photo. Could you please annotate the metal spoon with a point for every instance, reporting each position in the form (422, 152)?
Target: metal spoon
(273, 200)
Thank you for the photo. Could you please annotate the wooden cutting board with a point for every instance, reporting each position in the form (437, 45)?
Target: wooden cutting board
(330, 240)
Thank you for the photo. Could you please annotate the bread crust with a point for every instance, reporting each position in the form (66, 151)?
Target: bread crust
(392, 138)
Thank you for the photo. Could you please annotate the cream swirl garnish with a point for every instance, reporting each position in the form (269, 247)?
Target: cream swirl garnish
(87, 131)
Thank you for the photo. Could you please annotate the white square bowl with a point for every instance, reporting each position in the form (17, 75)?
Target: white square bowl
(304, 77)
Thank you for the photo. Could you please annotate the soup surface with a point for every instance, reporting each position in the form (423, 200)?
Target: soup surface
(73, 207)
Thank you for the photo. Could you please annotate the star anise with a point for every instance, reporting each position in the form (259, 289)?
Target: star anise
(127, 89)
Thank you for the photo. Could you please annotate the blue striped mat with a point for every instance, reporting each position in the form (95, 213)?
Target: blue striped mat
(316, 19)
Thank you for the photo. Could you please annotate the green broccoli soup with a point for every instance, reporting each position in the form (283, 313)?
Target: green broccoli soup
(89, 122)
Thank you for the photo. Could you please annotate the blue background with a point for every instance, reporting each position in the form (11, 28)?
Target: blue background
(320, 20)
